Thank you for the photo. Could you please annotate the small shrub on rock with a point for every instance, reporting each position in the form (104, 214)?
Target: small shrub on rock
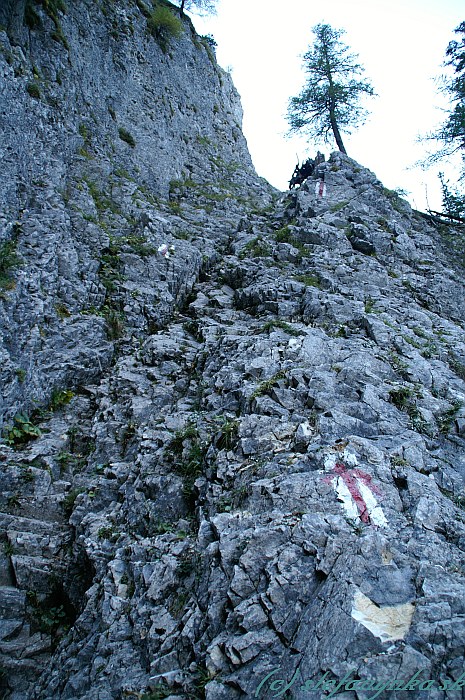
(33, 90)
(127, 137)
(21, 431)
(164, 25)
(8, 261)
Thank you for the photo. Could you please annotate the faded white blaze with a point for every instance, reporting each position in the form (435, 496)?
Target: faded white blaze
(388, 623)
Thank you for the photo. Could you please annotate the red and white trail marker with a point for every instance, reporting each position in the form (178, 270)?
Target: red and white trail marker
(355, 490)
(166, 250)
(320, 188)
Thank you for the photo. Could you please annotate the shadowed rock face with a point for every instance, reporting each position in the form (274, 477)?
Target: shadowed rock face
(12, 18)
(234, 421)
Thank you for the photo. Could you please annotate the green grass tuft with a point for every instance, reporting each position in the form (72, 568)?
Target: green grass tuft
(127, 137)
(8, 261)
(277, 323)
(164, 26)
(308, 280)
(33, 90)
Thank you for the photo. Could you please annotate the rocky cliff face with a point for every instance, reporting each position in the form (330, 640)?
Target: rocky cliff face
(101, 133)
(234, 420)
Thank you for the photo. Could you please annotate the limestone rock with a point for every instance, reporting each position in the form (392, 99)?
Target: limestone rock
(233, 419)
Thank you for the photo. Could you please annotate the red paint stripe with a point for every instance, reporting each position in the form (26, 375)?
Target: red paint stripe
(366, 479)
(348, 476)
(357, 496)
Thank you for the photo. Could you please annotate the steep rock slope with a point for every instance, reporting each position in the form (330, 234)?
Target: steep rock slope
(250, 472)
(99, 130)
(103, 134)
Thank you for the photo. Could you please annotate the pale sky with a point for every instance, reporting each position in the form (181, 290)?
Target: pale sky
(400, 43)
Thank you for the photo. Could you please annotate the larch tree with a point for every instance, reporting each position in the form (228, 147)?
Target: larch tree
(329, 102)
(451, 134)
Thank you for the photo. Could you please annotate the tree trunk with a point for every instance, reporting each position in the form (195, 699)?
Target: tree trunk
(448, 216)
(182, 6)
(336, 133)
(332, 106)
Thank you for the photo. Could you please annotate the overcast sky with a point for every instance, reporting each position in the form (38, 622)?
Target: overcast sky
(401, 44)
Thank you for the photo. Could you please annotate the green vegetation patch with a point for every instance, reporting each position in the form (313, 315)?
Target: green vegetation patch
(309, 280)
(60, 398)
(228, 433)
(285, 235)
(8, 261)
(31, 18)
(340, 205)
(255, 248)
(276, 323)
(52, 8)
(404, 398)
(33, 90)
(21, 431)
(401, 397)
(456, 499)
(46, 618)
(369, 305)
(21, 374)
(164, 26)
(159, 692)
(266, 386)
(62, 311)
(458, 367)
(68, 460)
(115, 322)
(446, 420)
(69, 500)
(101, 200)
(395, 199)
(126, 136)
(188, 451)
(137, 244)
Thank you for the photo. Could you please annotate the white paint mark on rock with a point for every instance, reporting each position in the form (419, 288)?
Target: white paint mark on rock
(389, 623)
(166, 250)
(375, 511)
(320, 188)
(345, 497)
(354, 488)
